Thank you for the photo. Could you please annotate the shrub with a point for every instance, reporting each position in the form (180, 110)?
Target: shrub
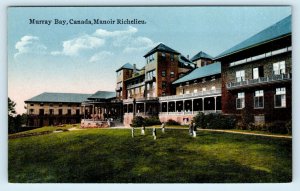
(246, 119)
(214, 121)
(199, 120)
(137, 121)
(172, 122)
(149, 121)
(288, 127)
(277, 127)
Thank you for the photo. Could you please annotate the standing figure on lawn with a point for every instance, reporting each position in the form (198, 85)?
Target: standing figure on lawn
(163, 127)
(191, 128)
(143, 129)
(194, 129)
(154, 133)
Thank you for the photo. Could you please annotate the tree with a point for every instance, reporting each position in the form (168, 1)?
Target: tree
(11, 107)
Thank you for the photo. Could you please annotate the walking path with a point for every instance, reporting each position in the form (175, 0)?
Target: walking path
(223, 131)
(248, 133)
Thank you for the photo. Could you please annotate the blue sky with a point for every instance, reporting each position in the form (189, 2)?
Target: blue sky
(83, 58)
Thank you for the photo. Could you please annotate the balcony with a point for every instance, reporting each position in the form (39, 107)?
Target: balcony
(259, 81)
(151, 79)
(135, 85)
(191, 95)
(118, 89)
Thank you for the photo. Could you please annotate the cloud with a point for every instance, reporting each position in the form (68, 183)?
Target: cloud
(118, 33)
(30, 44)
(139, 44)
(104, 55)
(74, 46)
(117, 41)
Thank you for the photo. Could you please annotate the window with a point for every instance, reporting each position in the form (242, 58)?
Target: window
(77, 112)
(240, 75)
(69, 112)
(203, 80)
(259, 99)
(164, 93)
(164, 85)
(172, 74)
(41, 112)
(187, 91)
(280, 97)
(51, 104)
(195, 90)
(163, 73)
(172, 57)
(31, 104)
(213, 78)
(51, 111)
(31, 111)
(163, 55)
(60, 111)
(279, 68)
(60, 105)
(41, 104)
(203, 89)
(240, 100)
(258, 72)
(213, 88)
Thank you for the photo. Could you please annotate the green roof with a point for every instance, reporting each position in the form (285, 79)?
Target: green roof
(126, 66)
(59, 97)
(211, 69)
(278, 30)
(200, 55)
(163, 48)
(103, 95)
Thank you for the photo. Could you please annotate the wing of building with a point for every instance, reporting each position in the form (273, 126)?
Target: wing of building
(257, 74)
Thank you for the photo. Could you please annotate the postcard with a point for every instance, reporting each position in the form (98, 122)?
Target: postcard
(169, 94)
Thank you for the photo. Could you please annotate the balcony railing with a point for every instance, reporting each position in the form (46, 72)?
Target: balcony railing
(259, 81)
(191, 95)
(135, 85)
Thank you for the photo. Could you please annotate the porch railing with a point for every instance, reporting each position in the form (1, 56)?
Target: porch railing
(191, 95)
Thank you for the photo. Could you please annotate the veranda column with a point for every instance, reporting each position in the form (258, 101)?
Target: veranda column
(203, 105)
(215, 104)
(127, 108)
(84, 112)
(183, 106)
(167, 107)
(175, 106)
(192, 106)
(93, 112)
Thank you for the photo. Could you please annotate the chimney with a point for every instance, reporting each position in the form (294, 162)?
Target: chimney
(134, 68)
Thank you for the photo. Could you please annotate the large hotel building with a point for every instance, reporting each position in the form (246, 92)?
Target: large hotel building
(255, 75)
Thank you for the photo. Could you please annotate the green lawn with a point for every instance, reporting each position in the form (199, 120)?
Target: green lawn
(111, 155)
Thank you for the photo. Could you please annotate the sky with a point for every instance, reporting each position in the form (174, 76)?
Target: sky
(83, 58)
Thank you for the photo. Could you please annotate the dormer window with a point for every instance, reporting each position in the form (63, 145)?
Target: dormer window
(203, 80)
(213, 78)
(172, 57)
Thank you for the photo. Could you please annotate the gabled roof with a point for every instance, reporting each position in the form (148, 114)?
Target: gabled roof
(126, 66)
(102, 95)
(201, 72)
(186, 61)
(200, 55)
(278, 30)
(163, 48)
(59, 98)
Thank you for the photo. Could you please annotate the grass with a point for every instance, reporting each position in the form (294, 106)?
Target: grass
(113, 156)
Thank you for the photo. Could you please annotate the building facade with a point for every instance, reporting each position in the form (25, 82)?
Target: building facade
(257, 75)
